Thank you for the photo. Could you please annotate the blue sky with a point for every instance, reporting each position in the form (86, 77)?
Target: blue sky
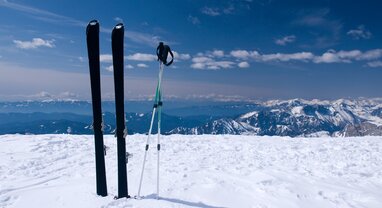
(225, 49)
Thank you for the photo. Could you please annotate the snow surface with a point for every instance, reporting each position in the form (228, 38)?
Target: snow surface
(39, 171)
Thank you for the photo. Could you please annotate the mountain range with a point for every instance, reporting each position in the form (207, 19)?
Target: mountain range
(296, 117)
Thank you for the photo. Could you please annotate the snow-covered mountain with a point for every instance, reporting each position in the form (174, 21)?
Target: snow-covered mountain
(300, 117)
(293, 118)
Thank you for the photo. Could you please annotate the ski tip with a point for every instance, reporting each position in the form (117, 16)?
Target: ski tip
(93, 22)
(118, 26)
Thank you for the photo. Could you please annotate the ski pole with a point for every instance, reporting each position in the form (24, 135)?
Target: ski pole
(162, 53)
(159, 122)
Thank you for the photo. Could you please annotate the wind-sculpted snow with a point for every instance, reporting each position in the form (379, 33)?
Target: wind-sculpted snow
(196, 171)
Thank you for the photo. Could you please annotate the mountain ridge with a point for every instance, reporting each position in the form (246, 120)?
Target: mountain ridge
(294, 118)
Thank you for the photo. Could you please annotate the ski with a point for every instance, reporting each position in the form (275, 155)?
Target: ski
(92, 39)
(117, 50)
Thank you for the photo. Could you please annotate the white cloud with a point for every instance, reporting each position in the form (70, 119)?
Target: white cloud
(220, 64)
(109, 68)
(142, 65)
(106, 58)
(129, 66)
(243, 64)
(201, 59)
(327, 57)
(285, 40)
(142, 57)
(349, 54)
(375, 64)
(360, 33)
(35, 43)
(244, 54)
(193, 20)
(332, 56)
(217, 60)
(198, 65)
(217, 53)
(300, 56)
(211, 11)
(203, 62)
(371, 55)
(182, 56)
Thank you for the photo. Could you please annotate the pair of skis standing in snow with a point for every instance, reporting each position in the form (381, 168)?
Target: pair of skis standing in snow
(117, 37)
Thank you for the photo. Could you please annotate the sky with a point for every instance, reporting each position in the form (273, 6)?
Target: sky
(225, 50)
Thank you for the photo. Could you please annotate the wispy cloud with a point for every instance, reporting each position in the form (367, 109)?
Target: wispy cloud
(47, 16)
(212, 53)
(193, 20)
(326, 29)
(243, 54)
(181, 56)
(42, 15)
(313, 18)
(375, 64)
(203, 62)
(129, 66)
(233, 7)
(360, 33)
(141, 65)
(330, 56)
(118, 19)
(34, 43)
(300, 56)
(143, 38)
(210, 11)
(285, 40)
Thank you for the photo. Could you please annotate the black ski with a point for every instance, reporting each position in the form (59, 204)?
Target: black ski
(92, 39)
(117, 37)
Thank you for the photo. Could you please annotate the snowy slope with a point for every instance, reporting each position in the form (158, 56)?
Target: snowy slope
(196, 171)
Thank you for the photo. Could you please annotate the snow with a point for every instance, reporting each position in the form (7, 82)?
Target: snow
(297, 110)
(196, 171)
(250, 114)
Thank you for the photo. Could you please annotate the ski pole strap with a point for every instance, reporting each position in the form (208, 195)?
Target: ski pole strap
(160, 103)
(162, 53)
